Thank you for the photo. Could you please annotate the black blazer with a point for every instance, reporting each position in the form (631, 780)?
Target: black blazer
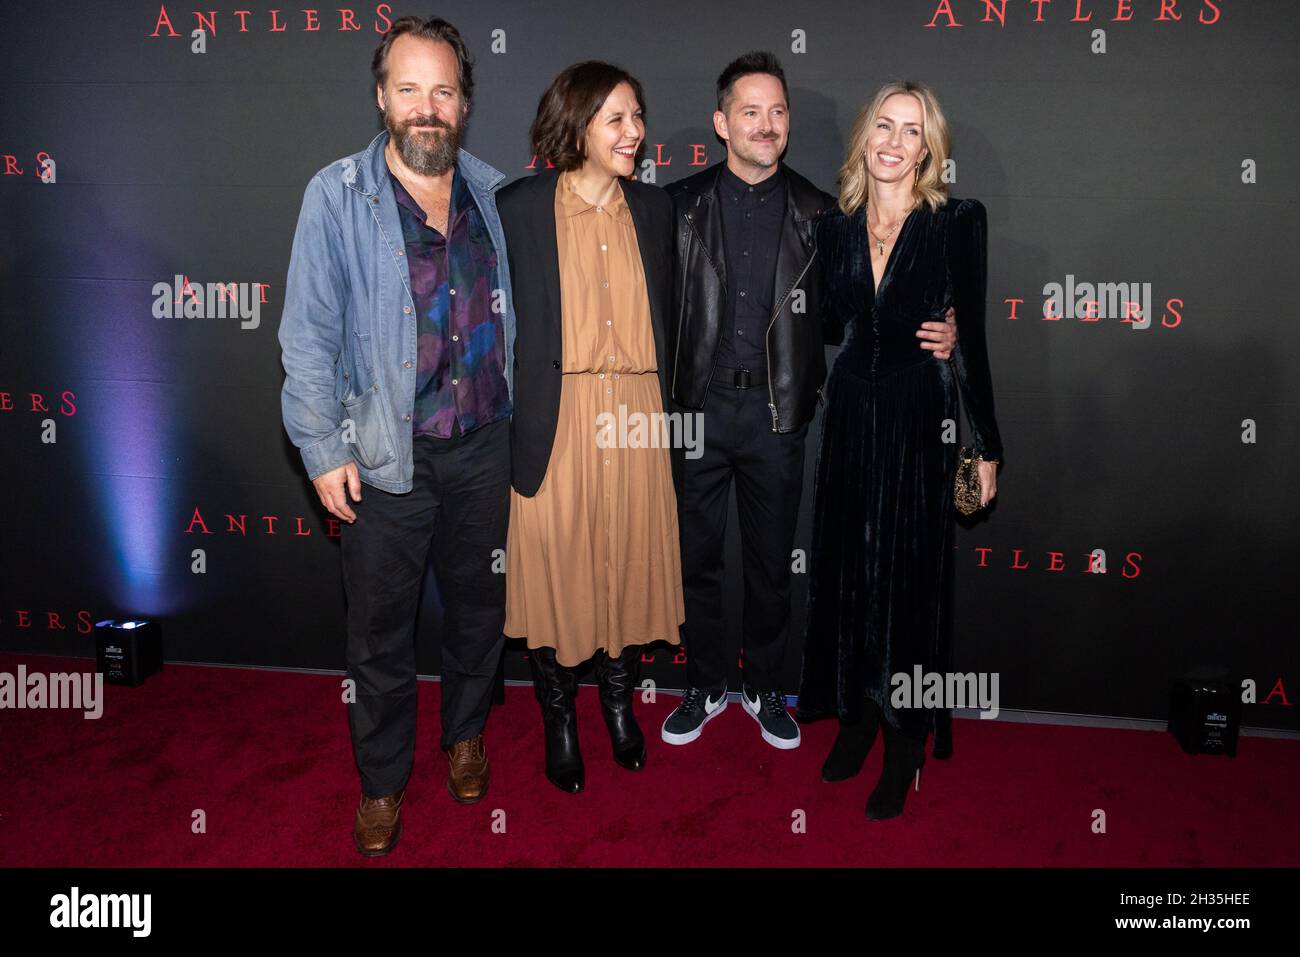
(527, 208)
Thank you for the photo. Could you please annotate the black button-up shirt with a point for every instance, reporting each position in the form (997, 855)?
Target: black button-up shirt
(751, 235)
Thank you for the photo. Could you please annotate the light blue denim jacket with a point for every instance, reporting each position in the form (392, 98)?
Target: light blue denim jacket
(348, 330)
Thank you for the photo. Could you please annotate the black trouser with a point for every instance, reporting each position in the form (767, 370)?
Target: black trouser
(459, 505)
(768, 469)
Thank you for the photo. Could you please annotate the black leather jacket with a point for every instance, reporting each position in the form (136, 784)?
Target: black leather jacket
(796, 358)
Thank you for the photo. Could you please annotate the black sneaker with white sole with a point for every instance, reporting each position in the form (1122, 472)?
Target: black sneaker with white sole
(688, 719)
(768, 709)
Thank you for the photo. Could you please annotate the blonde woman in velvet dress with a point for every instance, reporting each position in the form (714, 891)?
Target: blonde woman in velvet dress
(897, 252)
(593, 567)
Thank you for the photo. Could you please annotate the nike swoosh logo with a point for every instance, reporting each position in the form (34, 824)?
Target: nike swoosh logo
(711, 706)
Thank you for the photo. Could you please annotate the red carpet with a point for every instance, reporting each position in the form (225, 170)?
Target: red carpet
(266, 756)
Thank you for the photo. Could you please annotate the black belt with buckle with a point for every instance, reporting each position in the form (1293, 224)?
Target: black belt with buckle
(739, 378)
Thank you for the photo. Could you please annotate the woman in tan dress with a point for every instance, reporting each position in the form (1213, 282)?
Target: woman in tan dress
(593, 566)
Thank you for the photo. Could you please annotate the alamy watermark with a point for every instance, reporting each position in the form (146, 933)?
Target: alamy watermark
(182, 299)
(75, 690)
(651, 430)
(933, 689)
(1127, 301)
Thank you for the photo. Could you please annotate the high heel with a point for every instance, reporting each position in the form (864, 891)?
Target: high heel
(556, 688)
(941, 749)
(904, 758)
(852, 745)
(617, 679)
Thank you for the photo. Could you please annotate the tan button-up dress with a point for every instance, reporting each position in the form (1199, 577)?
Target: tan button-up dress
(593, 559)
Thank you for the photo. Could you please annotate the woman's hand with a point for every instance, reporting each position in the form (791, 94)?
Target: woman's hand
(988, 473)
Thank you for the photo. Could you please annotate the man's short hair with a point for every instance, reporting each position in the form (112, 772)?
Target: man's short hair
(431, 29)
(756, 61)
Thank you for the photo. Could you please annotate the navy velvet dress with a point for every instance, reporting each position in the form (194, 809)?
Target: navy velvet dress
(880, 588)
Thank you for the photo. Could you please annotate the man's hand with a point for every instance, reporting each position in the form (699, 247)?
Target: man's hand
(939, 337)
(331, 487)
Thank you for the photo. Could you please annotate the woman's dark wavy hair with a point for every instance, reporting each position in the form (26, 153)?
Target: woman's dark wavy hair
(558, 133)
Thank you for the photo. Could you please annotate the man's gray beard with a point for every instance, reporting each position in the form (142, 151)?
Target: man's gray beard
(429, 154)
(754, 159)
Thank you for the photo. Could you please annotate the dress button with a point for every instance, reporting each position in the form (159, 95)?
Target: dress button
(609, 322)
(406, 309)
(452, 291)
(407, 363)
(400, 253)
(606, 285)
(604, 248)
(606, 461)
(602, 375)
(455, 338)
(408, 418)
(455, 382)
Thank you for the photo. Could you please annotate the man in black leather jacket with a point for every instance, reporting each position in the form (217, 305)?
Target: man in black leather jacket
(746, 343)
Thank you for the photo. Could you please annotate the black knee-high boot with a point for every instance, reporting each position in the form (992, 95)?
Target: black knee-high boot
(617, 680)
(556, 688)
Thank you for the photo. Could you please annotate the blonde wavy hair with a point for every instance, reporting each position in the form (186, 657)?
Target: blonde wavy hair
(928, 187)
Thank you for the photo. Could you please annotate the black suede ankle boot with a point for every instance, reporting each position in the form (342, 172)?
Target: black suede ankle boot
(904, 757)
(852, 745)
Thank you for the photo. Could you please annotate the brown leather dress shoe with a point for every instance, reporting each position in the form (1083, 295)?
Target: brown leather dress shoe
(467, 776)
(378, 824)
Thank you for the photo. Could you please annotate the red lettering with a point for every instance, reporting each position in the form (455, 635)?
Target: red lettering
(270, 524)
(984, 554)
(698, 155)
(243, 18)
(379, 10)
(1277, 689)
(1015, 564)
(232, 523)
(989, 13)
(1056, 564)
(162, 18)
(11, 166)
(38, 402)
(1128, 560)
(275, 18)
(1078, 13)
(300, 533)
(348, 19)
(659, 156)
(1178, 316)
(1167, 6)
(312, 25)
(1125, 6)
(1014, 303)
(84, 625)
(1213, 6)
(944, 7)
(23, 620)
(52, 622)
(197, 518)
(210, 20)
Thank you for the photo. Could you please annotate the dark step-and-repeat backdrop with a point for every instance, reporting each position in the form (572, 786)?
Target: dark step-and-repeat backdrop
(1140, 151)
